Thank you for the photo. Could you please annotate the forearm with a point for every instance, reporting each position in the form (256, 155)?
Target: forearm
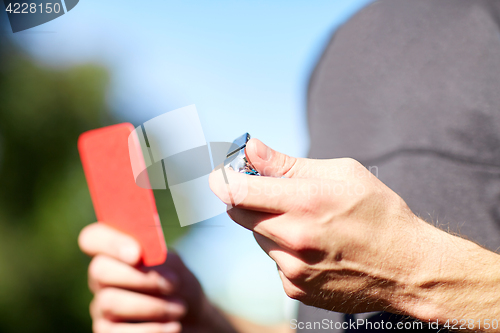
(459, 281)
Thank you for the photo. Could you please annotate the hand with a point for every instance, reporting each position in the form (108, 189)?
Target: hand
(131, 298)
(342, 240)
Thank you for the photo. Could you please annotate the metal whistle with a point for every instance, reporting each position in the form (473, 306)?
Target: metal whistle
(236, 158)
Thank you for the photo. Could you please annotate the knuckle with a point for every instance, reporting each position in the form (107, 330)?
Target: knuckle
(348, 167)
(294, 270)
(298, 240)
(292, 291)
(288, 165)
(351, 162)
(313, 202)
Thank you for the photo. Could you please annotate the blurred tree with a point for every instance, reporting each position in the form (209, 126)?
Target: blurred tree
(44, 201)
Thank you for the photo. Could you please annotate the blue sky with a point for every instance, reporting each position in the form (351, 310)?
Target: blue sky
(245, 64)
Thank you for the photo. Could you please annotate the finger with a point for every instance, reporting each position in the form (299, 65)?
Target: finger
(252, 220)
(289, 263)
(268, 225)
(271, 163)
(279, 232)
(291, 289)
(265, 194)
(98, 238)
(275, 164)
(106, 326)
(123, 305)
(105, 271)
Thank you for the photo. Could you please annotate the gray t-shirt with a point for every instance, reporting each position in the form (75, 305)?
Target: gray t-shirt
(413, 88)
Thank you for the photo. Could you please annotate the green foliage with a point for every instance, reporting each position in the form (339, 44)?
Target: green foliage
(44, 201)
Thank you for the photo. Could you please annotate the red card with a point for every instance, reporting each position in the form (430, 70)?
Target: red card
(118, 201)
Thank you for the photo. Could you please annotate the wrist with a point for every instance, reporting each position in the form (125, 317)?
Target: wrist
(455, 279)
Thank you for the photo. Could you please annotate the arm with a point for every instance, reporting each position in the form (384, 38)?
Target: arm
(130, 298)
(343, 241)
(461, 281)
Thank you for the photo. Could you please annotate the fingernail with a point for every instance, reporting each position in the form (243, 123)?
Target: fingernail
(129, 253)
(167, 282)
(263, 151)
(164, 286)
(172, 327)
(176, 307)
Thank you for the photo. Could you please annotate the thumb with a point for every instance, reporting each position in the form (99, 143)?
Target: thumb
(269, 162)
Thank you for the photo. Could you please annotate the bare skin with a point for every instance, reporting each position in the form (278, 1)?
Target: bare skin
(344, 241)
(131, 298)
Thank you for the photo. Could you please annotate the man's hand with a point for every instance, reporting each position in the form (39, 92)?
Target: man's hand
(131, 298)
(344, 241)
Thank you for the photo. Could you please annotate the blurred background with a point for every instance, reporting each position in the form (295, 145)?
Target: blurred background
(245, 64)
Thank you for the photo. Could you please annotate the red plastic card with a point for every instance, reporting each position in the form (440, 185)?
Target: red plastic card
(118, 201)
